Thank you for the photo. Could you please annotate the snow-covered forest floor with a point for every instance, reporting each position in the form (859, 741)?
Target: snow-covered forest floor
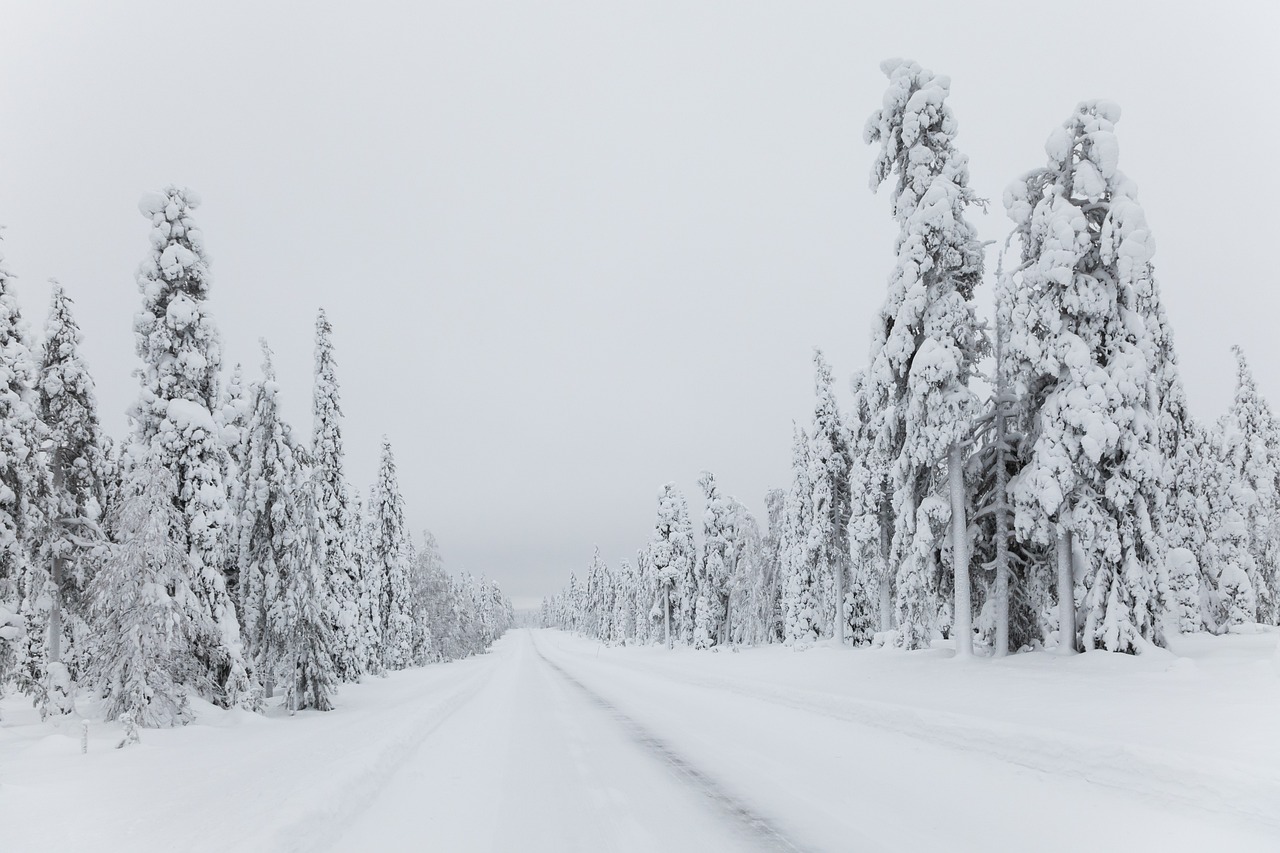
(553, 742)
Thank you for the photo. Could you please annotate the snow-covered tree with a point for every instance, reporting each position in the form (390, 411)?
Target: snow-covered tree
(232, 415)
(24, 582)
(147, 622)
(832, 500)
(181, 355)
(925, 343)
(1251, 445)
(72, 538)
(671, 557)
(389, 561)
(800, 592)
(624, 597)
(713, 571)
(1079, 355)
(341, 586)
(870, 602)
(747, 562)
(767, 586)
(286, 626)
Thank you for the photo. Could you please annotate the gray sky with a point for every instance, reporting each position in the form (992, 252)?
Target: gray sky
(574, 250)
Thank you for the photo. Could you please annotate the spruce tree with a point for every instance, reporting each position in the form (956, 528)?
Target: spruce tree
(712, 602)
(925, 344)
(24, 582)
(389, 563)
(671, 557)
(146, 622)
(1079, 354)
(181, 356)
(69, 411)
(340, 584)
(832, 501)
(800, 592)
(1252, 451)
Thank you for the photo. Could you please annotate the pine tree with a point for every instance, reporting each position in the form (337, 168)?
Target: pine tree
(767, 591)
(1079, 356)
(309, 637)
(925, 343)
(340, 586)
(369, 586)
(671, 556)
(146, 620)
(24, 582)
(799, 578)
(389, 562)
(69, 411)
(832, 501)
(712, 602)
(181, 356)
(236, 405)
(870, 603)
(1252, 451)
(746, 560)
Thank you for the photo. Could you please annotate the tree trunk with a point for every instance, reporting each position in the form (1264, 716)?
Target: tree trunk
(55, 613)
(963, 617)
(666, 618)
(839, 632)
(1002, 505)
(886, 574)
(1066, 594)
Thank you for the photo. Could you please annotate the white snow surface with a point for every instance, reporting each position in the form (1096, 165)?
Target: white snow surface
(554, 743)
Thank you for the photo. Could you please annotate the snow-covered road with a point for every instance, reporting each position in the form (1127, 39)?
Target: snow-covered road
(552, 743)
(534, 762)
(574, 747)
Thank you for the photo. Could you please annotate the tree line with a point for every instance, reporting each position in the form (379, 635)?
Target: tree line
(212, 552)
(1034, 479)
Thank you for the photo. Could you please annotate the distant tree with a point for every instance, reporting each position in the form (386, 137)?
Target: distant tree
(340, 589)
(713, 572)
(671, 556)
(390, 558)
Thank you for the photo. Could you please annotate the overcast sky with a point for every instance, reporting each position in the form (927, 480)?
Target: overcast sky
(572, 251)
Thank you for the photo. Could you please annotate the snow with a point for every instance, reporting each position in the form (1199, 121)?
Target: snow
(554, 743)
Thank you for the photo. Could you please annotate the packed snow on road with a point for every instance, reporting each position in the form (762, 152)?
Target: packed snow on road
(552, 742)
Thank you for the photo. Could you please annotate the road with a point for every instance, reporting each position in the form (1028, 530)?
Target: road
(552, 743)
(533, 762)
(566, 750)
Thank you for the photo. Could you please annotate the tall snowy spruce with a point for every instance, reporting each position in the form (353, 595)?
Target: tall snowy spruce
(1251, 450)
(286, 625)
(924, 346)
(800, 594)
(73, 535)
(671, 557)
(341, 589)
(827, 541)
(870, 604)
(711, 610)
(389, 562)
(1080, 354)
(24, 581)
(173, 419)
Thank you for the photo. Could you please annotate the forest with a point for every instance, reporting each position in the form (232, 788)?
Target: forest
(1028, 480)
(212, 552)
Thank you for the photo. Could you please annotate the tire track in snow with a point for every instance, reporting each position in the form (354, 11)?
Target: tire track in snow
(760, 830)
(1160, 777)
